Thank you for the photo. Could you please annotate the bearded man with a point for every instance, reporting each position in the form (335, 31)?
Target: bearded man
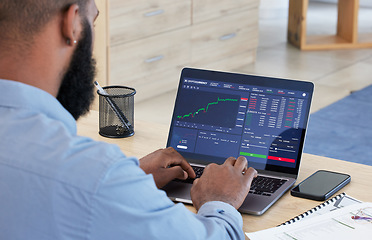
(57, 185)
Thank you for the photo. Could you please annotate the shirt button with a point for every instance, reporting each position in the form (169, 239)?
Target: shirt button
(220, 211)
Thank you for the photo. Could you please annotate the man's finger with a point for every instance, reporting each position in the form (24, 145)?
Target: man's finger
(230, 161)
(187, 168)
(177, 159)
(196, 181)
(241, 164)
(177, 172)
(249, 174)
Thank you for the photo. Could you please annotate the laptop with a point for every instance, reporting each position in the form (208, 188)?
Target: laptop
(219, 114)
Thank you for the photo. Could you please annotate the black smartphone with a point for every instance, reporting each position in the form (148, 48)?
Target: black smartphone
(321, 185)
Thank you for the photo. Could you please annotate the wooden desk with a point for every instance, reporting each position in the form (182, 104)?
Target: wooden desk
(150, 137)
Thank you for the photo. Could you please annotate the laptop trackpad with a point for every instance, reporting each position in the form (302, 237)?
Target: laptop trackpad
(178, 191)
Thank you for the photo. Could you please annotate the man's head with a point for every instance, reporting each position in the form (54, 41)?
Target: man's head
(56, 38)
(21, 20)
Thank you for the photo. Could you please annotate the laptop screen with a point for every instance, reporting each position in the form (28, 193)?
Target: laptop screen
(218, 115)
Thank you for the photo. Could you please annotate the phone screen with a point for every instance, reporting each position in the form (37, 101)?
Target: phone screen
(321, 184)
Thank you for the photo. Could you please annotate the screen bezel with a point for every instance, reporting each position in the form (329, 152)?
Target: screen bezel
(246, 79)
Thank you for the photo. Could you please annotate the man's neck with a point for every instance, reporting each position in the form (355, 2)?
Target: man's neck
(26, 71)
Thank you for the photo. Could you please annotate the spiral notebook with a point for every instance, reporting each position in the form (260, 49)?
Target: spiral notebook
(337, 202)
(347, 222)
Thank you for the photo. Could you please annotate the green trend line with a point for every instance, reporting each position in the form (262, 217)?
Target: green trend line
(206, 109)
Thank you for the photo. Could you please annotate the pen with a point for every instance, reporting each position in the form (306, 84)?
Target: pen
(361, 218)
(100, 89)
(115, 108)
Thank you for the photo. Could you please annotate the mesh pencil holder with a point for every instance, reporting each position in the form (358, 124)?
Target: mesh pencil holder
(116, 112)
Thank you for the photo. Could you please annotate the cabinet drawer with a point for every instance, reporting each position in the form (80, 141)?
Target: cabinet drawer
(208, 9)
(232, 63)
(136, 19)
(158, 84)
(151, 65)
(220, 39)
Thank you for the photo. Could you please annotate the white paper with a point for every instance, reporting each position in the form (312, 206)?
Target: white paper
(336, 224)
(327, 206)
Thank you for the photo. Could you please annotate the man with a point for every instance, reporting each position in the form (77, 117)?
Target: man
(57, 185)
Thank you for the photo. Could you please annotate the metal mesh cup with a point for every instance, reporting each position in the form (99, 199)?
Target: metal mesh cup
(116, 112)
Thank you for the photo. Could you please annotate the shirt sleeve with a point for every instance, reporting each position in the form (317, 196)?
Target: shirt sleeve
(128, 205)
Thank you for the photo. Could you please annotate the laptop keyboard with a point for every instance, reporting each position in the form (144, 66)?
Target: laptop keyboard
(198, 172)
(261, 185)
(265, 185)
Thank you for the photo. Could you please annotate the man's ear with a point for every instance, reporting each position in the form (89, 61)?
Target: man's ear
(71, 25)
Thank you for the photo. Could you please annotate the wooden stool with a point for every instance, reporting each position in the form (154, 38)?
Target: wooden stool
(347, 28)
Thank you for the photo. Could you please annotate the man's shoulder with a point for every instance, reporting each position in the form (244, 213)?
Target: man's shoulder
(44, 147)
(86, 162)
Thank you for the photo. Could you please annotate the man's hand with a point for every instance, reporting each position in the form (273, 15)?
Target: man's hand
(229, 182)
(166, 165)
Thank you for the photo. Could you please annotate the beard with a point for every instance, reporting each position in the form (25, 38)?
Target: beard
(76, 91)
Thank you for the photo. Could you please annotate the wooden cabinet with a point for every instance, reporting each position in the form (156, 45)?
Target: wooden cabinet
(148, 63)
(211, 9)
(137, 19)
(224, 37)
(150, 41)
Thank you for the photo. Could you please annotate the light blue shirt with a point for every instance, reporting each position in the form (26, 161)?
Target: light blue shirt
(56, 185)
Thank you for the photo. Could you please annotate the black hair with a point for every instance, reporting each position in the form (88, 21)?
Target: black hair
(22, 19)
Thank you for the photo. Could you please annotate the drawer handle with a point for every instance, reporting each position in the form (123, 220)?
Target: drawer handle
(227, 36)
(154, 59)
(154, 13)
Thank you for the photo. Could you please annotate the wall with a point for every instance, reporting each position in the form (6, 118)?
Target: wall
(270, 9)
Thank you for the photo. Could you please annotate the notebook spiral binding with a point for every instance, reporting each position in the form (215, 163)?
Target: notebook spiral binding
(314, 209)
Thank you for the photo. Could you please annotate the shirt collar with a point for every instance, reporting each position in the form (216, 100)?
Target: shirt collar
(22, 96)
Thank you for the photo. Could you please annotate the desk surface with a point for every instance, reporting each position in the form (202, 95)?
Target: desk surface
(150, 137)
